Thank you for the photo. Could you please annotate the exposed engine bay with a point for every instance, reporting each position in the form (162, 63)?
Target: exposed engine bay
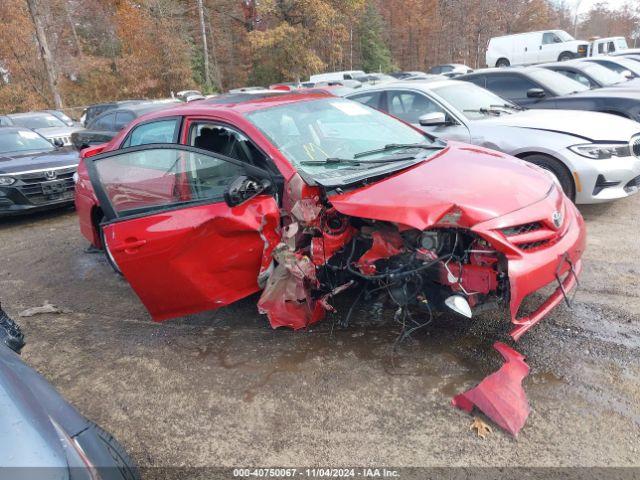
(416, 273)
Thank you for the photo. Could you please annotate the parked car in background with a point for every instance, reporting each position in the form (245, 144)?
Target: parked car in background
(627, 52)
(34, 174)
(371, 79)
(42, 436)
(405, 74)
(450, 70)
(336, 76)
(189, 95)
(104, 127)
(68, 121)
(534, 47)
(92, 111)
(384, 200)
(592, 75)
(607, 46)
(622, 65)
(590, 154)
(536, 87)
(5, 121)
(46, 124)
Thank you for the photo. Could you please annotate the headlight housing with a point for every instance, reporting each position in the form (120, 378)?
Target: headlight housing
(602, 151)
(6, 181)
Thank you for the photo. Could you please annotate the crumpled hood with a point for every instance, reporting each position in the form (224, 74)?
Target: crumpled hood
(20, 162)
(462, 185)
(593, 126)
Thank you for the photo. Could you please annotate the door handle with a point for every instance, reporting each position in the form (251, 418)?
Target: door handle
(129, 246)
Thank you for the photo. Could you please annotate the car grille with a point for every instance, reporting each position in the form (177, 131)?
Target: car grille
(31, 184)
(531, 236)
(635, 145)
(524, 228)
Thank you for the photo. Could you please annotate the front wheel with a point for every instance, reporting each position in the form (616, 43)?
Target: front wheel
(503, 62)
(564, 56)
(558, 170)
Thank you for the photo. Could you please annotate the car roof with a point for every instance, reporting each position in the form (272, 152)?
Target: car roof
(14, 129)
(426, 84)
(27, 114)
(501, 70)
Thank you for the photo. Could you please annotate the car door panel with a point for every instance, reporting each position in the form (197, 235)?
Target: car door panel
(190, 260)
(182, 248)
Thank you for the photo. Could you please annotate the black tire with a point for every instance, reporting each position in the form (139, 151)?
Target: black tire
(125, 465)
(558, 169)
(564, 56)
(502, 62)
(105, 249)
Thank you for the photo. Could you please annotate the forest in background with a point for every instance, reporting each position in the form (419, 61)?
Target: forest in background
(75, 52)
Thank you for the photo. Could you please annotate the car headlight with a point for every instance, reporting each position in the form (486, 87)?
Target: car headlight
(602, 151)
(6, 181)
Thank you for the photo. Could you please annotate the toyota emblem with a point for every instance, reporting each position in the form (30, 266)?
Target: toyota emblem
(556, 218)
(50, 175)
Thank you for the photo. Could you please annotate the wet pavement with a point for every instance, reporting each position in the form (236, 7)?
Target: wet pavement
(223, 389)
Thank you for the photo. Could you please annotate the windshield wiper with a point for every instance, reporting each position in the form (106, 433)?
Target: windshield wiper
(486, 111)
(352, 161)
(508, 106)
(394, 146)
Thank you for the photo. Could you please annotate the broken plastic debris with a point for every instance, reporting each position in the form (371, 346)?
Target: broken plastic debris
(45, 308)
(500, 396)
(481, 428)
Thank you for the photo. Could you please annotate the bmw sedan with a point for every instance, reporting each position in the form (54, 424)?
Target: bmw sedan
(535, 87)
(594, 156)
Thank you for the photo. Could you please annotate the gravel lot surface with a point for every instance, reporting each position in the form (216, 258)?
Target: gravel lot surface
(224, 389)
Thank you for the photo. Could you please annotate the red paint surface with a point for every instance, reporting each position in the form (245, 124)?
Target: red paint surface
(500, 396)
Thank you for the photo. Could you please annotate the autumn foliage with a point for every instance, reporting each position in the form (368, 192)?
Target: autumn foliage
(115, 49)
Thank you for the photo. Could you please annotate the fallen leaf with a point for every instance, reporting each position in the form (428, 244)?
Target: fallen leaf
(482, 429)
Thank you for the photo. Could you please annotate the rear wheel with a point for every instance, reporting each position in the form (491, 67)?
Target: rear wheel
(564, 56)
(558, 169)
(502, 62)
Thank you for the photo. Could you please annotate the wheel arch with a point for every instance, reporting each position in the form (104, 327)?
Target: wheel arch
(529, 153)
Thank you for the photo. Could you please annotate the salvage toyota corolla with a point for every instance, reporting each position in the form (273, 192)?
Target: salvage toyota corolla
(304, 196)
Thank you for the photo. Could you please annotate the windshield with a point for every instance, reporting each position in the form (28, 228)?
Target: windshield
(22, 141)
(474, 102)
(603, 75)
(621, 44)
(564, 36)
(343, 131)
(38, 121)
(556, 82)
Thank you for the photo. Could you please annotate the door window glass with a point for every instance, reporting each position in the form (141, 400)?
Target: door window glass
(550, 37)
(122, 119)
(371, 99)
(104, 123)
(163, 131)
(410, 106)
(510, 86)
(226, 141)
(156, 178)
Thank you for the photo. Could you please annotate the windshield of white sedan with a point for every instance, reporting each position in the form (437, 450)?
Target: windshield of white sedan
(474, 102)
(334, 135)
(603, 74)
(22, 141)
(38, 121)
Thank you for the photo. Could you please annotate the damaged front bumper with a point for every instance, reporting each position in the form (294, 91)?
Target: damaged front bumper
(548, 255)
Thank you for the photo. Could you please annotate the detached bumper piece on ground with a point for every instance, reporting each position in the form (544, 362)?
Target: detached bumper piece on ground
(500, 395)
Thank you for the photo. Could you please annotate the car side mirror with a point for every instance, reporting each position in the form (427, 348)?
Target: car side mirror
(244, 188)
(536, 93)
(432, 119)
(58, 143)
(627, 74)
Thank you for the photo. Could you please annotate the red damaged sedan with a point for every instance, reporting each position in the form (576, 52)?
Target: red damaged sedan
(304, 196)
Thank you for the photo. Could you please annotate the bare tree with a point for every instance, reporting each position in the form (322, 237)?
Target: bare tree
(43, 46)
(205, 47)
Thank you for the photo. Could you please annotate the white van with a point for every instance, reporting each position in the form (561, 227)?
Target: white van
(534, 47)
(336, 76)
